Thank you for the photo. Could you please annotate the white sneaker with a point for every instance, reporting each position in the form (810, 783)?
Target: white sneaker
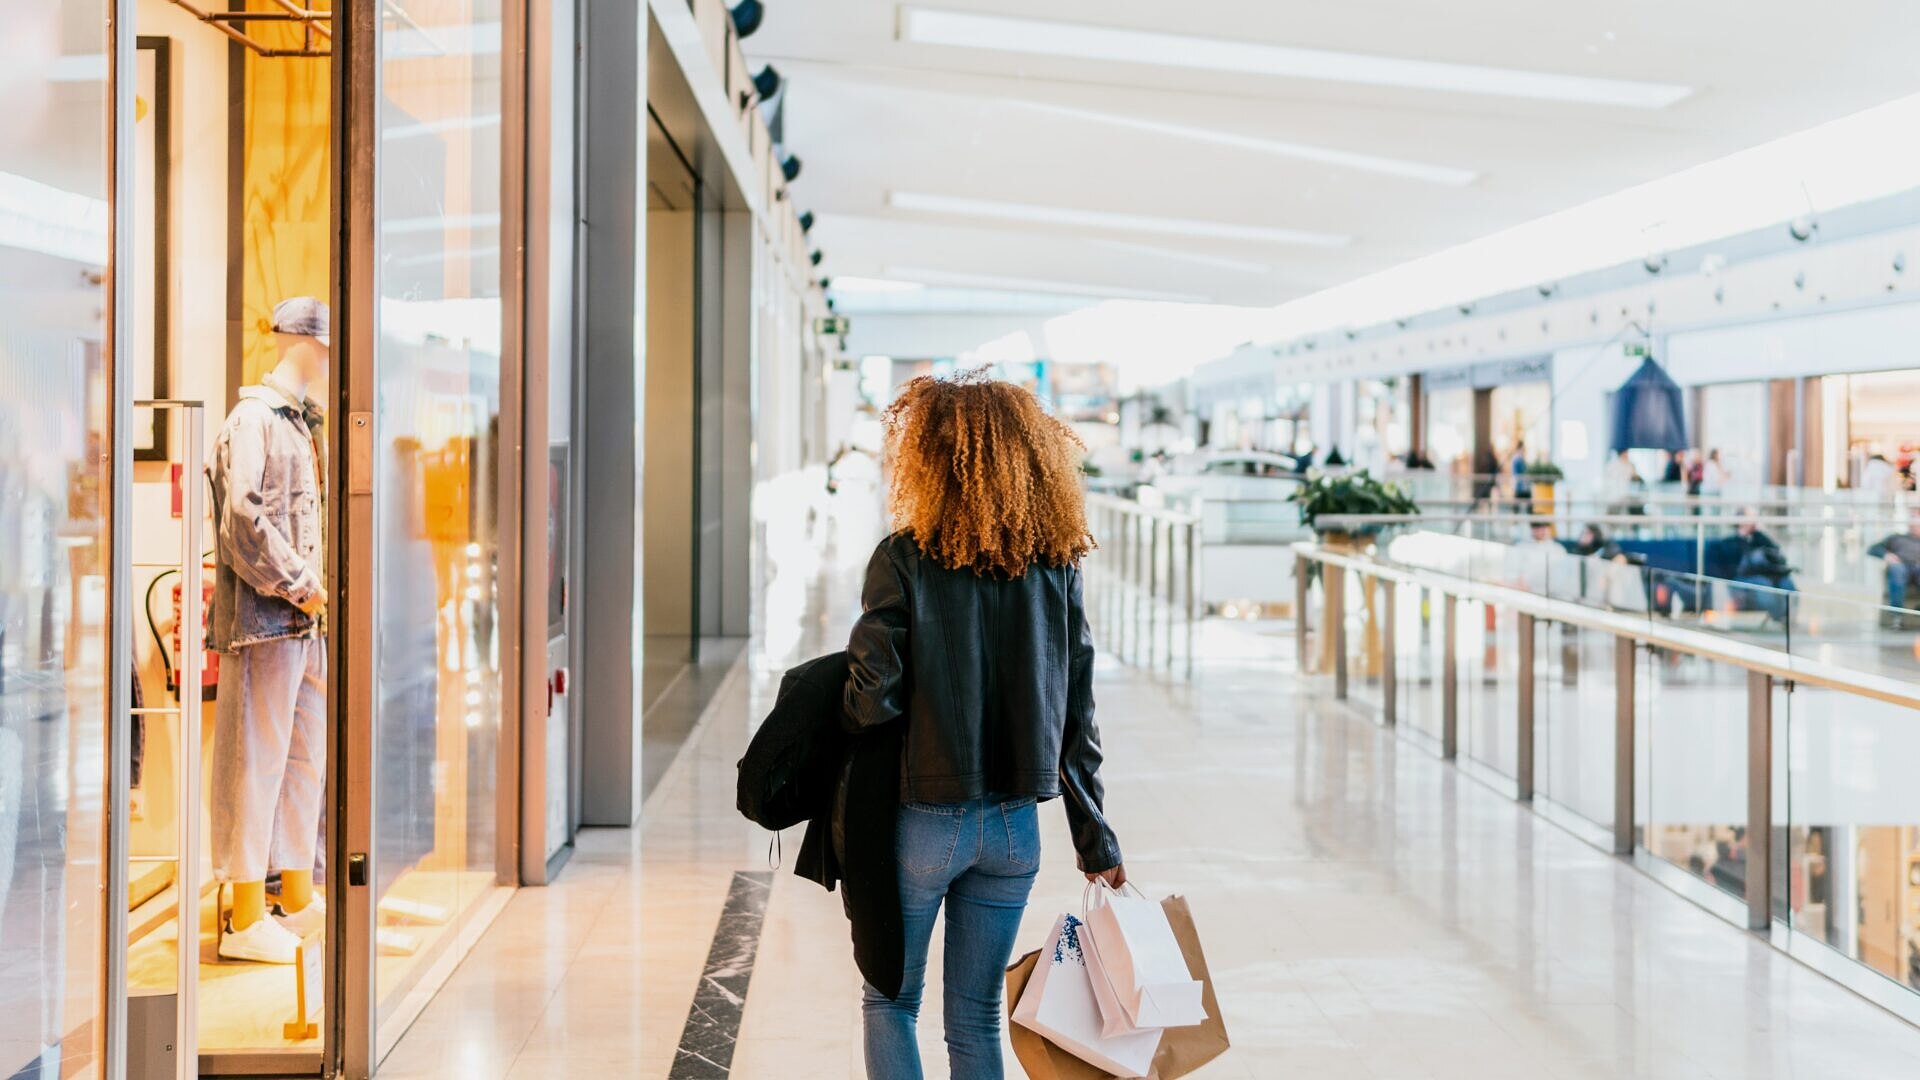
(265, 942)
(305, 921)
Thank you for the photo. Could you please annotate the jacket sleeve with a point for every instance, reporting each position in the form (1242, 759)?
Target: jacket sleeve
(877, 649)
(259, 554)
(1093, 841)
(1879, 550)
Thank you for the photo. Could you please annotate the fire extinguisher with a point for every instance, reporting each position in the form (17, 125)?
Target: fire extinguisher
(210, 670)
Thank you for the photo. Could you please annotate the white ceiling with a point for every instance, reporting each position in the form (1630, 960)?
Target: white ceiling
(872, 115)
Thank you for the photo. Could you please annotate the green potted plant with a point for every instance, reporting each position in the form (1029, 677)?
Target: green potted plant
(1542, 476)
(1349, 493)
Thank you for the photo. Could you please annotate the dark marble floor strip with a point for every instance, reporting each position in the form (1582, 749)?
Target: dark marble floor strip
(713, 1023)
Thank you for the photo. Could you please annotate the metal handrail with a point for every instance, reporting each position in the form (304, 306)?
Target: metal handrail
(1358, 522)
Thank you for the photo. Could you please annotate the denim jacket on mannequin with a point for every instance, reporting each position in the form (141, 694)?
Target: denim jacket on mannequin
(266, 514)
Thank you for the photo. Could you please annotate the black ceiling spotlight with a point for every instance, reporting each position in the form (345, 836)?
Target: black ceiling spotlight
(826, 283)
(746, 17)
(789, 167)
(806, 222)
(814, 257)
(767, 83)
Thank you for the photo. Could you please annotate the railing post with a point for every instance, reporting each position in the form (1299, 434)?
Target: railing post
(1625, 655)
(1153, 589)
(1523, 733)
(1193, 587)
(1390, 653)
(1302, 567)
(1759, 800)
(1334, 579)
(1450, 682)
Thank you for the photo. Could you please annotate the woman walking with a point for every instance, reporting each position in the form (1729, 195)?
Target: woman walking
(974, 637)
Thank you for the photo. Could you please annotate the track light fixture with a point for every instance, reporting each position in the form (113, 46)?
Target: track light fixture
(814, 257)
(767, 83)
(826, 283)
(746, 17)
(789, 167)
(806, 222)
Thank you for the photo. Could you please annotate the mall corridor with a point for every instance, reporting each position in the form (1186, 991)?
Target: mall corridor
(1467, 454)
(1370, 912)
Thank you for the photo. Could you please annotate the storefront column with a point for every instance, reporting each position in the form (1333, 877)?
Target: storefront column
(613, 373)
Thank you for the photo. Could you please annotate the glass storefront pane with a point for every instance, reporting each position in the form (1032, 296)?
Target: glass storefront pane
(438, 398)
(54, 409)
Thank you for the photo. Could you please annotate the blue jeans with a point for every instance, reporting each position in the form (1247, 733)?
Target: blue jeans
(1898, 574)
(979, 858)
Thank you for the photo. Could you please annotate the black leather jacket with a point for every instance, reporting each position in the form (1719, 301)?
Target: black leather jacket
(995, 680)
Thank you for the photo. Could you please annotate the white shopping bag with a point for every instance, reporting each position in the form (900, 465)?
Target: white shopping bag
(1113, 1018)
(1140, 965)
(1058, 1003)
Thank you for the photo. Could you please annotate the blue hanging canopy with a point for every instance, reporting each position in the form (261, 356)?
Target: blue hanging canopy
(1649, 411)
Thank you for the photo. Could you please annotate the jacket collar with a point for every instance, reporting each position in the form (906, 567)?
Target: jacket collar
(270, 397)
(273, 396)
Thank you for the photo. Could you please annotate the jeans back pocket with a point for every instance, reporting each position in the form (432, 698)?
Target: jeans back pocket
(929, 833)
(1022, 820)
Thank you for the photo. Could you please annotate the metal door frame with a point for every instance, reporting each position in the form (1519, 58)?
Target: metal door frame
(352, 1030)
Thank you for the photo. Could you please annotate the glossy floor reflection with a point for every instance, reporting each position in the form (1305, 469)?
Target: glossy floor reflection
(1369, 912)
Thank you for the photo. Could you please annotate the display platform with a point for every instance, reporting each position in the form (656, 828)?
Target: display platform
(245, 1007)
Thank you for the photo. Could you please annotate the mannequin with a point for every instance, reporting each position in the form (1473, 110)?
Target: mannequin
(269, 752)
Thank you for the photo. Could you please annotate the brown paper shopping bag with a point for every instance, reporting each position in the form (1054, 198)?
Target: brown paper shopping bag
(1182, 1050)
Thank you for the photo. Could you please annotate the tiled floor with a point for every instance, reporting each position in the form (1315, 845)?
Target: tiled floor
(1369, 913)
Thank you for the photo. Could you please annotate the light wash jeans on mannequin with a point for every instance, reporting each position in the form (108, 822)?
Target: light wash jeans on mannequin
(269, 771)
(979, 858)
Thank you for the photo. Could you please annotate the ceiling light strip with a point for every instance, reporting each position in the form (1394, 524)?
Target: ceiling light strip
(1321, 155)
(1074, 217)
(927, 276)
(1221, 262)
(1085, 41)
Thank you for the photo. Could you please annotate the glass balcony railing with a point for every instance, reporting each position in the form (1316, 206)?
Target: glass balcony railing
(1769, 731)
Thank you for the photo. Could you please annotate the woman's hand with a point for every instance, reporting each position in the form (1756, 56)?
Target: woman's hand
(1114, 878)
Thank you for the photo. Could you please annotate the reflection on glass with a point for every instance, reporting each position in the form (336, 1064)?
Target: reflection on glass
(1696, 767)
(437, 550)
(1574, 706)
(1366, 600)
(53, 569)
(1853, 835)
(1419, 629)
(1489, 666)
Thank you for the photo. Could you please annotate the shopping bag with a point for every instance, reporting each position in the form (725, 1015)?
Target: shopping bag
(1056, 1002)
(1181, 1050)
(1139, 963)
(1184, 1049)
(1113, 1018)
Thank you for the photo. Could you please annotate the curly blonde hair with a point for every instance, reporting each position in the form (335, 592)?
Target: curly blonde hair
(983, 478)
